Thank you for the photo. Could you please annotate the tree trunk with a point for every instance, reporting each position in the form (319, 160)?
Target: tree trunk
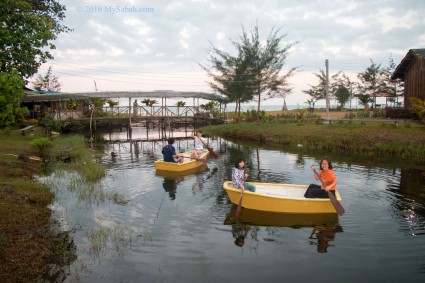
(258, 108)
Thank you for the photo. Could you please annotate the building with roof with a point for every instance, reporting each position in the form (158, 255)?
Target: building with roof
(411, 71)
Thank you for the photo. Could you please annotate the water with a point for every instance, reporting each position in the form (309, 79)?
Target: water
(136, 226)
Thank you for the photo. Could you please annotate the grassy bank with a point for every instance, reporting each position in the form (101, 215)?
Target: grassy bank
(29, 243)
(407, 141)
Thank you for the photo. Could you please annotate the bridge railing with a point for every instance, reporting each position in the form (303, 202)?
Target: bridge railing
(150, 111)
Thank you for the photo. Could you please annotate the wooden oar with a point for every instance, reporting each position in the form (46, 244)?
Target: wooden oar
(238, 210)
(338, 207)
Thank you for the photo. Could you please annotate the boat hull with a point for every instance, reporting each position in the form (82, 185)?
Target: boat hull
(187, 165)
(282, 198)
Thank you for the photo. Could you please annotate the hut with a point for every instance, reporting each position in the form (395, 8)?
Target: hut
(411, 70)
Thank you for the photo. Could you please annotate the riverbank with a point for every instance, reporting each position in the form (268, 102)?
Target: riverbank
(379, 139)
(32, 245)
(26, 238)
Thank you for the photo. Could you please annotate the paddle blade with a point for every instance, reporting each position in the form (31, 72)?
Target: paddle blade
(213, 154)
(338, 207)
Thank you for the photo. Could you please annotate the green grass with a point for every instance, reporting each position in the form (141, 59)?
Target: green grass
(366, 139)
(28, 241)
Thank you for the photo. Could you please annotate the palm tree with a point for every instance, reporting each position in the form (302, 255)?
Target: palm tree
(180, 104)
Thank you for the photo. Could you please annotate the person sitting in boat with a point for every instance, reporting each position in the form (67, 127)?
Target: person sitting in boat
(239, 176)
(169, 152)
(327, 175)
(199, 145)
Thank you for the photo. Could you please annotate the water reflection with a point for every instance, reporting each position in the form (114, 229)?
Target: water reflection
(197, 235)
(324, 235)
(325, 226)
(170, 186)
(262, 218)
(239, 232)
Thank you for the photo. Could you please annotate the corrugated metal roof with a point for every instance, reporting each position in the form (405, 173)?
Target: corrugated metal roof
(121, 94)
(405, 63)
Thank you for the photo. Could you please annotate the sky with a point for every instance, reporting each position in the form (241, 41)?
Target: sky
(159, 45)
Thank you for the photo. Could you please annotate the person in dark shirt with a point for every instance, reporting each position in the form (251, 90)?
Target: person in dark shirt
(169, 152)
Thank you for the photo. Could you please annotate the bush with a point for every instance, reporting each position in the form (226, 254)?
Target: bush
(42, 144)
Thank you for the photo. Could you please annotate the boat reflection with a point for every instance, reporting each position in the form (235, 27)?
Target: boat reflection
(325, 226)
(171, 174)
(262, 218)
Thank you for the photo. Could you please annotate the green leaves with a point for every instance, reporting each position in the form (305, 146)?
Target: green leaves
(11, 93)
(27, 28)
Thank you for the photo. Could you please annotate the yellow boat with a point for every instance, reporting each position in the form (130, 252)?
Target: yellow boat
(283, 198)
(187, 164)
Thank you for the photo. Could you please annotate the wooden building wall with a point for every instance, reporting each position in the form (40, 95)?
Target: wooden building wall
(414, 81)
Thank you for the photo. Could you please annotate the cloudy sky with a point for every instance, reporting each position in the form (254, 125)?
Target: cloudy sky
(157, 44)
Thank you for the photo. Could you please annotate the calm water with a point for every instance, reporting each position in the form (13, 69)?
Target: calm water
(136, 226)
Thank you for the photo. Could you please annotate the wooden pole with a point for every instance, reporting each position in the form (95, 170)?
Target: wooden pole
(327, 88)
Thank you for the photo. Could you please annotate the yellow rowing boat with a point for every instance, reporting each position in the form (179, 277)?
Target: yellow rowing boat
(187, 164)
(284, 198)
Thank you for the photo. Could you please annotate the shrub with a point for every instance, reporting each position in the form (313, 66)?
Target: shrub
(42, 144)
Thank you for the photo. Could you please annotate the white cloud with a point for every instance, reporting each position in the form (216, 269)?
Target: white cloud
(174, 38)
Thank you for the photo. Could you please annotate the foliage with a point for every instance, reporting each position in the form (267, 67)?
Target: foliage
(364, 99)
(149, 102)
(28, 27)
(48, 82)
(11, 93)
(211, 105)
(112, 103)
(252, 115)
(255, 72)
(43, 144)
(318, 92)
(401, 113)
(342, 95)
(73, 104)
(180, 103)
(418, 107)
(82, 159)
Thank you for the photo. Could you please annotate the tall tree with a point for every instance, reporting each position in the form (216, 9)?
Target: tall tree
(372, 79)
(257, 70)
(229, 77)
(48, 82)
(265, 64)
(27, 30)
(318, 92)
(394, 88)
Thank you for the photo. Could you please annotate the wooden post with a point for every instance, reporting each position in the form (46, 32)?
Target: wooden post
(129, 113)
(327, 88)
